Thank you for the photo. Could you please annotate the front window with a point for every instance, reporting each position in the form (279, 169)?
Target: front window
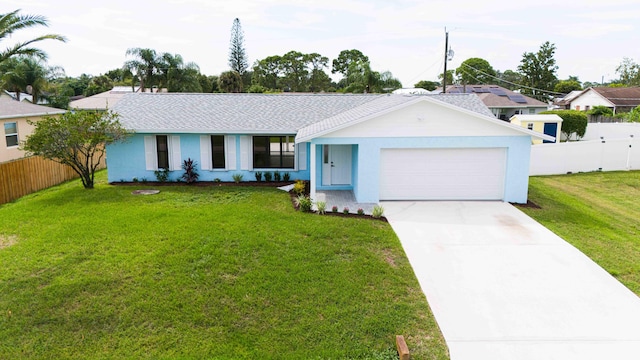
(162, 147)
(217, 152)
(11, 133)
(273, 152)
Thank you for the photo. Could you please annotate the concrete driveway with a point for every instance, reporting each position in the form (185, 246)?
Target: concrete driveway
(502, 286)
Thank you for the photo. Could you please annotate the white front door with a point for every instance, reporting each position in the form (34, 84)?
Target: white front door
(336, 165)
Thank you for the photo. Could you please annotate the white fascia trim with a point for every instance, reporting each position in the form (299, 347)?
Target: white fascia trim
(30, 115)
(435, 101)
(214, 131)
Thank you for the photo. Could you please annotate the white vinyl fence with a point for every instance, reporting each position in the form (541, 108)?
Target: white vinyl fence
(585, 156)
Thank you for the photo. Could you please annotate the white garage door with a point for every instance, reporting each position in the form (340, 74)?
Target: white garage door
(442, 174)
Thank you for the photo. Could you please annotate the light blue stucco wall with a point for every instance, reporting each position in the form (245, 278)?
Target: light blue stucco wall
(366, 185)
(126, 161)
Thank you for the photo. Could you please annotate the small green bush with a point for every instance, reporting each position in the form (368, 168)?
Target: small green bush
(267, 176)
(334, 209)
(276, 175)
(322, 207)
(162, 175)
(360, 211)
(377, 211)
(237, 178)
(190, 173)
(345, 210)
(286, 176)
(299, 187)
(258, 175)
(573, 122)
(304, 203)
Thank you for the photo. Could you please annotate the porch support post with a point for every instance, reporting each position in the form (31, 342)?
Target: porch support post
(312, 171)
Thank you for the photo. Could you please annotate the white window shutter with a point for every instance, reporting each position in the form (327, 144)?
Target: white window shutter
(301, 153)
(175, 160)
(150, 155)
(205, 152)
(230, 151)
(245, 152)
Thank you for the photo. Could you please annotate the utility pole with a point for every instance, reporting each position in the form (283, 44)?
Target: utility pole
(446, 54)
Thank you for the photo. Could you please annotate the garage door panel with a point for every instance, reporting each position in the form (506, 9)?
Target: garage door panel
(442, 174)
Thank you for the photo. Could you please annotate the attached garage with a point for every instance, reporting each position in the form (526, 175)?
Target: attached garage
(447, 147)
(443, 174)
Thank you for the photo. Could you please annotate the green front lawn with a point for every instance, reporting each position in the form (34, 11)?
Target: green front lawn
(599, 213)
(201, 272)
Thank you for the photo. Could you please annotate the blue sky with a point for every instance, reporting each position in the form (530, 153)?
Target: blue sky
(405, 37)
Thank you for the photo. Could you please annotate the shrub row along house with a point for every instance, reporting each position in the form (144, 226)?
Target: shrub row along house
(381, 147)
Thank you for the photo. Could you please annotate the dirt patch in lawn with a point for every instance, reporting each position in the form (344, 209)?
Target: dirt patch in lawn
(7, 240)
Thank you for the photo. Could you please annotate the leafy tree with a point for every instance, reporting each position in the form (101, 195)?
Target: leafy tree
(476, 71)
(633, 115)
(237, 54)
(600, 110)
(347, 61)
(257, 89)
(449, 77)
(76, 139)
(266, 72)
(567, 86)
(98, 85)
(230, 82)
(145, 66)
(208, 84)
(388, 83)
(294, 69)
(629, 72)
(510, 79)
(12, 22)
(318, 79)
(539, 70)
(573, 122)
(427, 85)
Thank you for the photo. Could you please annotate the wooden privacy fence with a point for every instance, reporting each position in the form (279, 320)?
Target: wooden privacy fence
(27, 175)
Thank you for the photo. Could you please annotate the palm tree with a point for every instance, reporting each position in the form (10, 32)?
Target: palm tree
(12, 22)
(27, 74)
(145, 66)
(177, 76)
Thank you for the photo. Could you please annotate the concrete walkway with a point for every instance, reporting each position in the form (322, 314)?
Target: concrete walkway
(502, 286)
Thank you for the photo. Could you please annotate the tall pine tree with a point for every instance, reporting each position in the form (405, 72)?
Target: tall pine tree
(237, 55)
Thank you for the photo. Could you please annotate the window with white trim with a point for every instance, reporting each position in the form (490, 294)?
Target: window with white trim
(217, 152)
(274, 152)
(162, 151)
(11, 133)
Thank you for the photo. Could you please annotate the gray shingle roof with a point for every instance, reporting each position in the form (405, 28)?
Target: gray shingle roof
(260, 113)
(231, 113)
(389, 103)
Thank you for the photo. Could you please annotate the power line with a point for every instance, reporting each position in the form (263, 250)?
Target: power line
(508, 82)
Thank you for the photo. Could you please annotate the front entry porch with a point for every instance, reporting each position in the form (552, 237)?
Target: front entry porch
(342, 199)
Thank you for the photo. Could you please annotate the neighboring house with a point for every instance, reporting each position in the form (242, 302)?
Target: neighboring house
(381, 147)
(502, 102)
(14, 126)
(548, 124)
(564, 103)
(25, 97)
(618, 99)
